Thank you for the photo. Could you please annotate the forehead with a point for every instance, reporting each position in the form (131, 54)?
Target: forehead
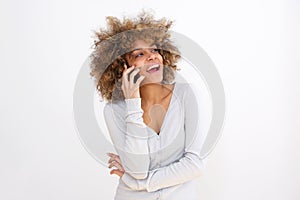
(142, 44)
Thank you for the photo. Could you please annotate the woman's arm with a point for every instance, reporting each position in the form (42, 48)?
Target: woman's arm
(129, 136)
(189, 166)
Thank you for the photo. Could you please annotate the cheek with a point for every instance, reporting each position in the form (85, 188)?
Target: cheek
(138, 64)
(130, 61)
(134, 62)
(160, 58)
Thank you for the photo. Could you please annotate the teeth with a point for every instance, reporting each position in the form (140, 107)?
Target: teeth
(153, 66)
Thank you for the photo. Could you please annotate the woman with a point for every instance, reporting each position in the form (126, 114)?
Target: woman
(152, 120)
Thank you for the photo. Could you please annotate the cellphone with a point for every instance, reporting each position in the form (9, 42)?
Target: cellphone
(136, 77)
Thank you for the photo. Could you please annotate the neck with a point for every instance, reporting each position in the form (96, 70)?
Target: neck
(154, 93)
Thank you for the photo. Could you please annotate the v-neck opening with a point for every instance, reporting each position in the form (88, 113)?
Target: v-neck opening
(163, 123)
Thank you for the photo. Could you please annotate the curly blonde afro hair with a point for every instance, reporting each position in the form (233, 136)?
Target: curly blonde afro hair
(111, 45)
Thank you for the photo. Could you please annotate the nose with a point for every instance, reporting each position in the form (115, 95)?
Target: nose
(151, 55)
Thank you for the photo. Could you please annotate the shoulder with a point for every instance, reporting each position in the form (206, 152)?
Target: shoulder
(183, 89)
(113, 109)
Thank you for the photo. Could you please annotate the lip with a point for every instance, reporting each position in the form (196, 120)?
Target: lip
(151, 66)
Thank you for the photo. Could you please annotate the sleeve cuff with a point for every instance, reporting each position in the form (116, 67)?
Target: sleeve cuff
(129, 181)
(133, 183)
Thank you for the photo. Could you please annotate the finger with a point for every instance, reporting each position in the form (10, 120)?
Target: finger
(111, 160)
(118, 160)
(128, 70)
(140, 79)
(117, 172)
(125, 81)
(117, 165)
(112, 155)
(132, 75)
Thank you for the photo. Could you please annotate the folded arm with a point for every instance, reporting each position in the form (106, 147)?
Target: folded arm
(190, 166)
(129, 136)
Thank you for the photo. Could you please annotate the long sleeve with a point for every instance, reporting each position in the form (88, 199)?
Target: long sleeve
(190, 165)
(129, 136)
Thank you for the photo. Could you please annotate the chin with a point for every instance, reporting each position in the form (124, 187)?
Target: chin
(152, 81)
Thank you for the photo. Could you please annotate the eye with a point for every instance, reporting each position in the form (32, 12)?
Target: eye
(139, 55)
(154, 50)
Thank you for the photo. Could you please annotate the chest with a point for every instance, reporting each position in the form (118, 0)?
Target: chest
(155, 114)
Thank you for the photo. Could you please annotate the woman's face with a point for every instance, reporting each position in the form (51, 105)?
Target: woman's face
(146, 57)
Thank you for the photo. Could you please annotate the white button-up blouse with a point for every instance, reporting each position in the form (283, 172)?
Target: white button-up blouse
(165, 166)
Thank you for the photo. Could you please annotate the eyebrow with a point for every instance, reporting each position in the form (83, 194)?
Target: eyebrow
(151, 46)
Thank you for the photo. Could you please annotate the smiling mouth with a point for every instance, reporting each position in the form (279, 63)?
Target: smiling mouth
(153, 68)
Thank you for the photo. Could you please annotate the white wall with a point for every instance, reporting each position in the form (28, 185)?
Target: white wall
(254, 44)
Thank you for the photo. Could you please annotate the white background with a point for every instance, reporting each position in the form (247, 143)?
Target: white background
(254, 45)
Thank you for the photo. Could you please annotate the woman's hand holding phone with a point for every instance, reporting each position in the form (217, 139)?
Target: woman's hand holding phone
(130, 87)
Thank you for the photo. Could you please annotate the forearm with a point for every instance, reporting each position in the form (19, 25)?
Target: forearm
(187, 168)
